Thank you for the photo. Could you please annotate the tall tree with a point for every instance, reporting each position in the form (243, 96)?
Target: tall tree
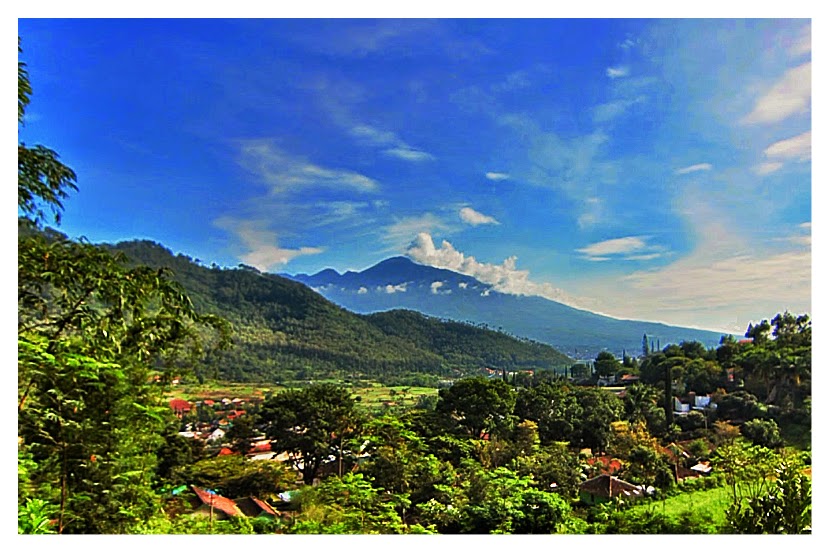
(94, 336)
(313, 424)
(479, 405)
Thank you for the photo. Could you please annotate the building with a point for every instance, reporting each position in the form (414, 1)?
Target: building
(606, 488)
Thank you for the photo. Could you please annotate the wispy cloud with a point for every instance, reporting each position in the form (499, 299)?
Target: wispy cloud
(802, 45)
(631, 248)
(767, 168)
(694, 168)
(408, 154)
(797, 148)
(283, 172)
(505, 278)
(609, 111)
(722, 284)
(473, 217)
(618, 72)
(791, 95)
(394, 146)
(497, 176)
(262, 246)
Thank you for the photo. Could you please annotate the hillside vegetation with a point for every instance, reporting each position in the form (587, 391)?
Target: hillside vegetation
(283, 330)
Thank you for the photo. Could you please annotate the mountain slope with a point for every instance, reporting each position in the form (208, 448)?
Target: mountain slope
(284, 330)
(400, 283)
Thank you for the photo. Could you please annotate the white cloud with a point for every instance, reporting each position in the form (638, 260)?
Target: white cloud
(497, 176)
(694, 168)
(614, 246)
(505, 278)
(616, 72)
(284, 173)
(362, 291)
(767, 168)
(263, 248)
(797, 148)
(436, 289)
(401, 233)
(473, 217)
(399, 288)
(409, 154)
(631, 248)
(791, 95)
(725, 282)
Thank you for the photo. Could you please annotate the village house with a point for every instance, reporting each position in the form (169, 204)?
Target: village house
(180, 407)
(606, 488)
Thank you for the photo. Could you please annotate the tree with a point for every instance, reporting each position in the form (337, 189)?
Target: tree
(93, 336)
(479, 405)
(42, 180)
(764, 433)
(96, 339)
(399, 463)
(607, 365)
(600, 410)
(312, 424)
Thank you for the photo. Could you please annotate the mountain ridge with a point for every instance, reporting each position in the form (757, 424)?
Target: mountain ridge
(399, 282)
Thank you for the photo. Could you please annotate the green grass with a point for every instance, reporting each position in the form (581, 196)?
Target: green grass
(372, 396)
(713, 501)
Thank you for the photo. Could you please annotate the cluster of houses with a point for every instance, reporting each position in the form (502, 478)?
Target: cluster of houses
(605, 486)
(213, 417)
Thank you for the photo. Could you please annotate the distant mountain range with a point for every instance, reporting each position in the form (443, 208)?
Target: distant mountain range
(399, 283)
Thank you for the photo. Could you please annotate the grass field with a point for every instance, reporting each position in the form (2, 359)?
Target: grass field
(713, 501)
(372, 396)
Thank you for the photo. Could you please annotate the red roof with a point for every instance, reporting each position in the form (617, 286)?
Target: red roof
(225, 451)
(180, 405)
(209, 402)
(261, 447)
(265, 508)
(218, 502)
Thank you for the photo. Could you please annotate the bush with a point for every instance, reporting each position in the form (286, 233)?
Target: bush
(764, 433)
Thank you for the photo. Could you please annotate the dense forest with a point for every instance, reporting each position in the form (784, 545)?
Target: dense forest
(104, 331)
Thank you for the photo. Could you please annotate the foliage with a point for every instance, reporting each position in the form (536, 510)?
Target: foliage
(348, 505)
(785, 509)
(34, 517)
(236, 477)
(495, 501)
(313, 424)
(764, 433)
(606, 364)
(479, 405)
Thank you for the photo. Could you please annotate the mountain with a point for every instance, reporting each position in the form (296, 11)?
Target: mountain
(399, 283)
(283, 330)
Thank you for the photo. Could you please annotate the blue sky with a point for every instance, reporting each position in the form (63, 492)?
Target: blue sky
(647, 169)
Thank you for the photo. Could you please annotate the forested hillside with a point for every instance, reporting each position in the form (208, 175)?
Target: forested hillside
(284, 330)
